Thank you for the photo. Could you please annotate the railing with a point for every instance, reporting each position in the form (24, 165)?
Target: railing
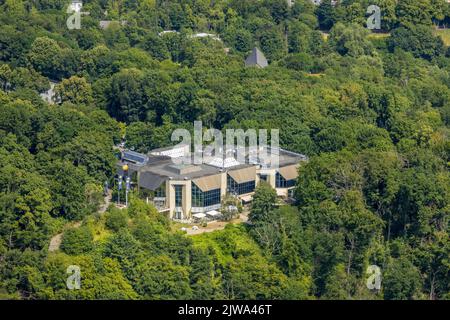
(160, 203)
(205, 209)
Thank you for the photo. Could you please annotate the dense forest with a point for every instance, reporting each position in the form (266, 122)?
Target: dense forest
(370, 109)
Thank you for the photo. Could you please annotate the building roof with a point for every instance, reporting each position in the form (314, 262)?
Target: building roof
(160, 168)
(151, 180)
(184, 171)
(289, 172)
(243, 175)
(288, 157)
(256, 58)
(209, 183)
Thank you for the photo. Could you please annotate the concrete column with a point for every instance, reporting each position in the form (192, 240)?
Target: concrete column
(223, 185)
(271, 178)
(187, 199)
(170, 194)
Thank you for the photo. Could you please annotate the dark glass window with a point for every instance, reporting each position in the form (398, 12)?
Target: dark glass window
(204, 199)
(178, 195)
(281, 182)
(263, 177)
(161, 191)
(291, 193)
(239, 188)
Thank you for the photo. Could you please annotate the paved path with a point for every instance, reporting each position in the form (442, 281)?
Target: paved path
(106, 203)
(55, 242)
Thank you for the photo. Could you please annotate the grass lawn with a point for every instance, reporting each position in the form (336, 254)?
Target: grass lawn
(234, 238)
(325, 35)
(445, 35)
(98, 227)
(317, 75)
(379, 35)
(176, 226)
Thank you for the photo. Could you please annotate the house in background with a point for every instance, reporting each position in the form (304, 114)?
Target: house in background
(104, 24)
(75, 6)
(333, 2)
(256, 59)
(49, 95)
(182, 191)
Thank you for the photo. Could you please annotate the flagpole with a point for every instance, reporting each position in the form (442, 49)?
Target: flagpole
(118, 190)
(126, 191)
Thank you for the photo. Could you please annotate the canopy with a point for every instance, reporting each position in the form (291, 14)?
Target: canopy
(199, 215)
(151, 181)
(213, 213)
(247, 198)
(289, 172)
(209, 183)
(243, 175)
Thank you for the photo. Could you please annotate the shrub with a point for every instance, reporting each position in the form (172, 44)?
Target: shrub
(77, 241)
(116, 219)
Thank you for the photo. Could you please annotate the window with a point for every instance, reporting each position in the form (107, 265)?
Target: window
(178, 215)
(239, 188)
(291, 193)
(281, 182)
(263, 177)
(204, 199)
(178, 195)
(161, 191)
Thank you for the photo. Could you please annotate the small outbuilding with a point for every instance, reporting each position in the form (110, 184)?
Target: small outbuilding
(256, 59)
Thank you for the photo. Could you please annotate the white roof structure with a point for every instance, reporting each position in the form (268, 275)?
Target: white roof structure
(205, 35)
(172, 152)
(318, 2)
(104, 24)
(49, 96)
(199, 215)
(223, 163)
(195, 35)
(213, 213)
(75, 6)
(166, 32)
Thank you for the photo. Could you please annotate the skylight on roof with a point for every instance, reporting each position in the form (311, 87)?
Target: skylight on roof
(221, 163)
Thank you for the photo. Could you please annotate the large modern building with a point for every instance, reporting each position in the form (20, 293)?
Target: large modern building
(181, 190)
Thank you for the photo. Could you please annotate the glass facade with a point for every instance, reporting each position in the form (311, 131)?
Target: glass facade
(263, 177)
(178, 195)
(161, 191)
(239, 188)
(204, 199)
(281, 182)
